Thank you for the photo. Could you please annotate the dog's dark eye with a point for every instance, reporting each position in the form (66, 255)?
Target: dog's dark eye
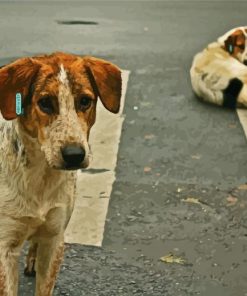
(241, 46)
(84, 103)
(45, 105)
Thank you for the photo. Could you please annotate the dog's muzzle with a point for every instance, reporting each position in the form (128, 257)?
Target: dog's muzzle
(73, 156)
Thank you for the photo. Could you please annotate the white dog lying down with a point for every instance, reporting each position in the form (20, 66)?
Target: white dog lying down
(219, 72)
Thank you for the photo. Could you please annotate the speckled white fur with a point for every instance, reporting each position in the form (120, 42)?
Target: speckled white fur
(68, 121)
(36, 200)
(37, 195)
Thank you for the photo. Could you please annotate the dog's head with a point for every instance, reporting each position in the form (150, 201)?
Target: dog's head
(235, 43)
(59, 95)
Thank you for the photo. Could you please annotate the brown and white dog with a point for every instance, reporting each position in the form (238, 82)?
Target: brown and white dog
(40, 151)
(219, 73)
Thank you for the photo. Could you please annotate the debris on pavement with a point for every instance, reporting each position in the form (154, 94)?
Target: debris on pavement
(242, 187)
(196, 156)
(170, 258)
(149, 136)
(192, 200)
(231, 200)
(147, 169)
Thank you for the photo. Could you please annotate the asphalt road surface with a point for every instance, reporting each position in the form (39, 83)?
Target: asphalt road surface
(181, 165)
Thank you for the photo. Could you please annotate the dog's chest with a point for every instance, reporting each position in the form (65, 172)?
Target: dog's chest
(43, 210)
(32, 193)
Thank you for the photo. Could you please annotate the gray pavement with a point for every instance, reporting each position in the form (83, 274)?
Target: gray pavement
(172, 148)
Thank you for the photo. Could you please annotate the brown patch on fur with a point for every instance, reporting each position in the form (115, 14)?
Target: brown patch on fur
(15, 78)
(106, 80)
(81, 86)
(35, 120)
(235, 43)
(40, 77)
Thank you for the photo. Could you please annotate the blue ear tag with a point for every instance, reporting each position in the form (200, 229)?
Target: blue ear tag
(230, 48)
(18, 104)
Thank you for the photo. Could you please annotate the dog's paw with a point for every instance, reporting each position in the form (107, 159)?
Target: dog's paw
(29, 272)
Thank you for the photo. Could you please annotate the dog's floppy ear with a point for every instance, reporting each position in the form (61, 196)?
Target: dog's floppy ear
(235, 42)
(15, 78)
(106, 81)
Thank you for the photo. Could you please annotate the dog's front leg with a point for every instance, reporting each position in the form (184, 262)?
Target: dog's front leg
(49, 256)
(8, 271)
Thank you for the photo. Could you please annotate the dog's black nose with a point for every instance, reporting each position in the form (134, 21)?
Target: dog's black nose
(73, 155)
(245, 62)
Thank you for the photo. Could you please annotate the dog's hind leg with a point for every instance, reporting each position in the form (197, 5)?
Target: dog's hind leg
(30, 260)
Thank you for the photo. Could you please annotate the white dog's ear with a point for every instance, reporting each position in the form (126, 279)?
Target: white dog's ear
(15, 78)
(235, 42)
(106, 81)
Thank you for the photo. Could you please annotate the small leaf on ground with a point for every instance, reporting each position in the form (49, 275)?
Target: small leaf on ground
(170, 258)
(149, 136)
(231, 200)
(192, 200)
(196, 156)
(147, 169)
(145, 104)
(243, 187)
